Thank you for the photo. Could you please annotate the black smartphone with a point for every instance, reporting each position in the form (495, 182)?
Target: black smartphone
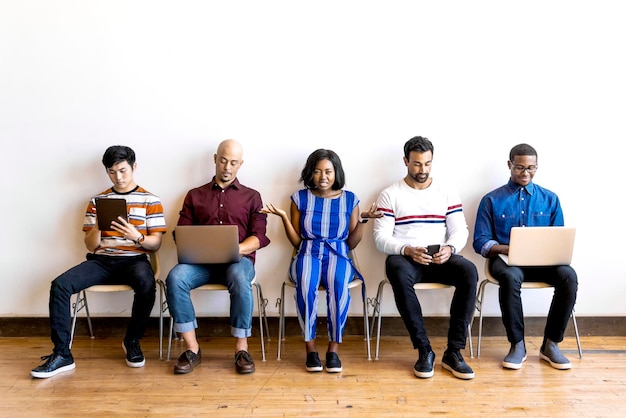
(433, 249)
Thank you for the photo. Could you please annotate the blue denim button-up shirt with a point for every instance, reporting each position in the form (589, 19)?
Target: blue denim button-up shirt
(513, 205)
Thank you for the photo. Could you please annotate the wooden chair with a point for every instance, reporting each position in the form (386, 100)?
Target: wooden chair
(261, 304)
(489, 279)
(355, 282)
(81, 299)
(377, 302)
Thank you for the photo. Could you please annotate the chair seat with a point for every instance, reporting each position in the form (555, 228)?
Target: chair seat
(525, 285)
(109, 288)
(212, 287)
(429, 286)
(354, 283)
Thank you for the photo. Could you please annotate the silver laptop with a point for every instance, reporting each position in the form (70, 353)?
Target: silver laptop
(207, 244)
(540, 246)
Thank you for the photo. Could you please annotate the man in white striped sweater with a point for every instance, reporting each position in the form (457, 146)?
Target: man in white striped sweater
(422, 231)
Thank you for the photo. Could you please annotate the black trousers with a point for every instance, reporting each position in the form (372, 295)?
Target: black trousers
(459, 272)
(134, 271)
(565, 282)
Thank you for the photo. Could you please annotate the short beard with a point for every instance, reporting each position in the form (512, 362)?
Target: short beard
(417, 178)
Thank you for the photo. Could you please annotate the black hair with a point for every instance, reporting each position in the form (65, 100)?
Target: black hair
(419, 144)
(316, 156)
(116, 154)
(521, 149)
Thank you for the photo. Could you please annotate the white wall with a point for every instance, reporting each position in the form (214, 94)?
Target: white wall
(172, 79)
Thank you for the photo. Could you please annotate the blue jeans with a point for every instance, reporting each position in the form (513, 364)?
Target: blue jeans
(134, 271)
(459, 272)
(565, 282)
(237, 277)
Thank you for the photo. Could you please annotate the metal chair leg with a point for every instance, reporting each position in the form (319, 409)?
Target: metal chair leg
(79, 305)
(366, 325)
(479, 306)
(580, 349)
(281, 320)
(379, 301)
(261, 307)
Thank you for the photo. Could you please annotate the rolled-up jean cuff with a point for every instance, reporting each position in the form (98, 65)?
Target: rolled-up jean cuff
(185, 327)
(240, 333)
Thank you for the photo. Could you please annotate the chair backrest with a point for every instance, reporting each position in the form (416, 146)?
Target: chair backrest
(155, 262)
(355, 263)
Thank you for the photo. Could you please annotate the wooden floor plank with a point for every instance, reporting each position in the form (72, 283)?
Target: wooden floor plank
(102, 385)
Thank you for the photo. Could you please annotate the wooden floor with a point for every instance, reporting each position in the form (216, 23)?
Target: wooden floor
(102, 385)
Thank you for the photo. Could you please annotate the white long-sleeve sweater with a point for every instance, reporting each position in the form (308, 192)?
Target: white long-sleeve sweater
(419, 218)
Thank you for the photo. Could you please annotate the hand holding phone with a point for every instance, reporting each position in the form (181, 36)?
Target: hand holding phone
(433, 249)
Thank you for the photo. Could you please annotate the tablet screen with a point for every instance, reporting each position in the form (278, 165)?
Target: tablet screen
(107, 211)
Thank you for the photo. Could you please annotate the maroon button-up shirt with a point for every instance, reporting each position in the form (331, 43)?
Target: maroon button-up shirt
(236, 205)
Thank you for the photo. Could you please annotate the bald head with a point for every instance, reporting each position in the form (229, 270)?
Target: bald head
(230, 146)
(228, 160)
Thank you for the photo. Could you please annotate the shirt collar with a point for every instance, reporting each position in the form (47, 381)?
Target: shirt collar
(235, 184)
(514, 188)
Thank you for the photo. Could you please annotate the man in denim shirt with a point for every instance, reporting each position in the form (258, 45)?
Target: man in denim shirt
(521, 202)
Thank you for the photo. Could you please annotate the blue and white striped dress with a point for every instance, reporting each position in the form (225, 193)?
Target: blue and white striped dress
(323, 259)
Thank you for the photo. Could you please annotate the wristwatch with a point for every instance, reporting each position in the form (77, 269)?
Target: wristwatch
(363, 220)
(452, 248)
(140, 240)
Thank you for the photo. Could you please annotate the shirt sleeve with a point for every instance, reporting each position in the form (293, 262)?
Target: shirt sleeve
(186, 213)
(456, 226)
(484, 238)
(258, 221)
(384, 226)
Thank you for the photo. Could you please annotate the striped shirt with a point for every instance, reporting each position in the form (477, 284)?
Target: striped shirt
(145, 212)
(324, 222)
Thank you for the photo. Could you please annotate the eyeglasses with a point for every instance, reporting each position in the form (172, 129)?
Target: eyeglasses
(519, 169)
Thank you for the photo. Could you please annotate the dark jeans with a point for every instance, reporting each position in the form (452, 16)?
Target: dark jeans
(459, 272)
(565, 283)
(134, 271)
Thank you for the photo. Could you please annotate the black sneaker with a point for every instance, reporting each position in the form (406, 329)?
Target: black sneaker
(453, 361)
(313, 363)
(333, 364)
(54, 365)
(134, 356)
(425, 365)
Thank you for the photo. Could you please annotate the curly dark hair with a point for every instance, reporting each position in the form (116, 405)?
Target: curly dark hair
(316, 156)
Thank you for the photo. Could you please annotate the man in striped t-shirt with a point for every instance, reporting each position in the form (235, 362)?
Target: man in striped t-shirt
(420, 212)
(116, 256)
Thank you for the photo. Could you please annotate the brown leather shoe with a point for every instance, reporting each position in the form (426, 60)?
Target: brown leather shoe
(244, 363)
(187, 361)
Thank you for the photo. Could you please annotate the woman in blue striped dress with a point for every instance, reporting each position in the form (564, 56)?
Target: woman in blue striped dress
(325, 225)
